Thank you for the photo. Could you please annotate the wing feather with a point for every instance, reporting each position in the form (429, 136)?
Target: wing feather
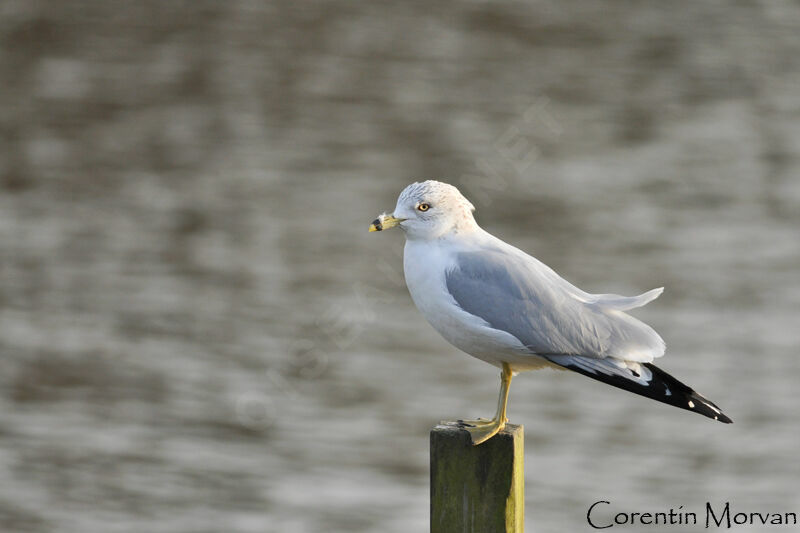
(644, 379)
(517, 294)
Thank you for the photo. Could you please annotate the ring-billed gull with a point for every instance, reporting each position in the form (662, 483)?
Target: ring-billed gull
(499, 304)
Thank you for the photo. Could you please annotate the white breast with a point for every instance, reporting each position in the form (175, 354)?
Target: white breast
(425, 264)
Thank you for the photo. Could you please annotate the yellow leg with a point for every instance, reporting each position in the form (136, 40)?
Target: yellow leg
(482, 430)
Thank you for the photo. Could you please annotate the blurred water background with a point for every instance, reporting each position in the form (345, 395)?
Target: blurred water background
(198, 334)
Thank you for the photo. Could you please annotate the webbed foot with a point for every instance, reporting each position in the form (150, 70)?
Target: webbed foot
(482, 430)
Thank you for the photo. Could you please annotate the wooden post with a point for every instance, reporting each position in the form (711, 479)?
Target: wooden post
(480, 488)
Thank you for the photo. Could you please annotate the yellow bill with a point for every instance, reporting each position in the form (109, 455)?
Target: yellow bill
(384, 221)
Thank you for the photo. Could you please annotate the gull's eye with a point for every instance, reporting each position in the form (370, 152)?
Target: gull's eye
(424, 206)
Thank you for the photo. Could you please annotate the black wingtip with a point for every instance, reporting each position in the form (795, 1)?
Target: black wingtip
(661, 387)
(724, 419)
(683, 396)
(692, 400)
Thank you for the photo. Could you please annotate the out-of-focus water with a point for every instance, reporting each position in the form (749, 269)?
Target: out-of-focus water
(197, 334)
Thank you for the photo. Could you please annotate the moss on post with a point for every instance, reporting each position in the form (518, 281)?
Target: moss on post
(477, 488)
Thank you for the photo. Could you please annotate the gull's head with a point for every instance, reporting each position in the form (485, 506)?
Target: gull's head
(428, 210)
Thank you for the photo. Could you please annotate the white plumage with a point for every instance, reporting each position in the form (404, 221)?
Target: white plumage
(501, 305)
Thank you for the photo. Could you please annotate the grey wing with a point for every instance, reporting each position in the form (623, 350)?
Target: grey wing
(521, 296)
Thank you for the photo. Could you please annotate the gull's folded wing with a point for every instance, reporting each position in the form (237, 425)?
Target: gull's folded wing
(517, 294)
